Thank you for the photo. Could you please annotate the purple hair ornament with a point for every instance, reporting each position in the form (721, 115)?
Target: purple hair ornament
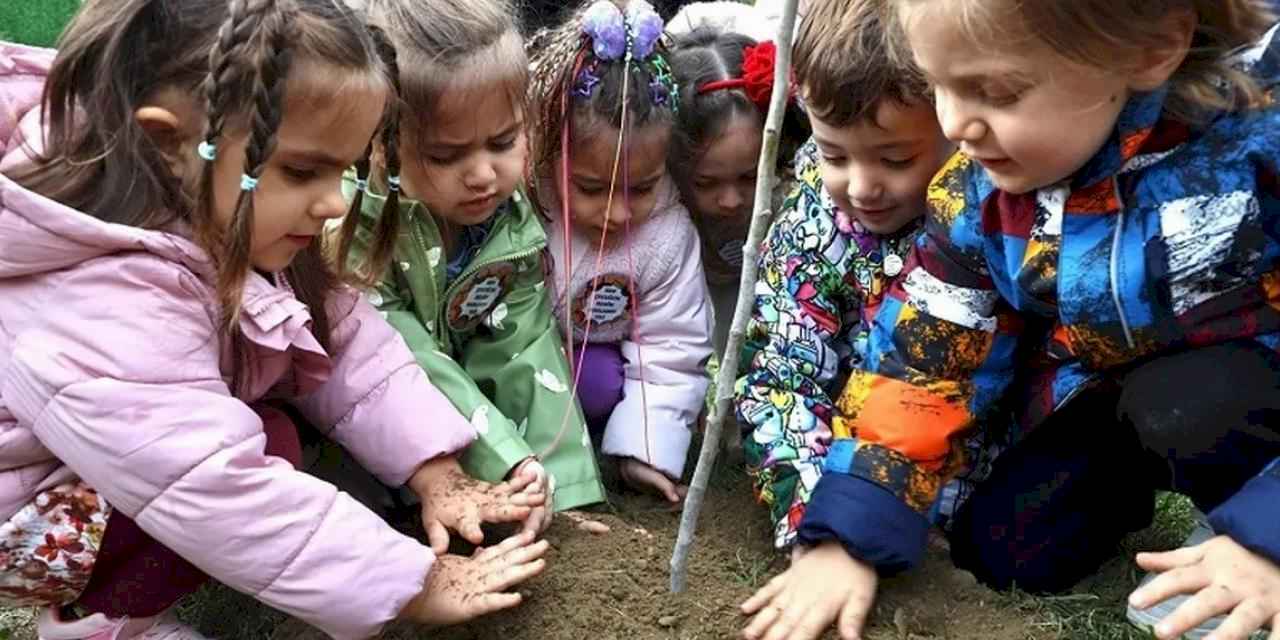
(603, 23)
(646, 28)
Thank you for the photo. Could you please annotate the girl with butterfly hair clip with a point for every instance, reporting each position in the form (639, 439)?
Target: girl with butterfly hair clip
(629, 287)
(723, 61)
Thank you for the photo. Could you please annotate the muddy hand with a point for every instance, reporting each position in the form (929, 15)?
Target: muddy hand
(539, 482)
(823, 585)
(461, 588)
(1221, 577)
(451, 500)
(643, 477)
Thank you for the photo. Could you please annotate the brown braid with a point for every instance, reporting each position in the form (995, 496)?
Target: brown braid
(351, 222)
(227, 69)
(268, 110)
(553, 53)
(384, 241)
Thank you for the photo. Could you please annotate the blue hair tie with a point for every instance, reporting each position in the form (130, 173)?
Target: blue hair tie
(393, 183)
(207, 150)
(362, 184)
(248, 182)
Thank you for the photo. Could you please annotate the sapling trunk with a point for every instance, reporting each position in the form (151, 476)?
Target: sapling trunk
(728, 372)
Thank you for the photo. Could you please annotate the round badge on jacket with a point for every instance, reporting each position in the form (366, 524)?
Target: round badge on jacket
(607, 303)
(478, 295)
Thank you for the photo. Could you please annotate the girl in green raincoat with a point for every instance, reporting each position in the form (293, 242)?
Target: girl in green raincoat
(462, 276)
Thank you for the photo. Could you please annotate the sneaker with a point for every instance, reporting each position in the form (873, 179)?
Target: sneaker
(1148, 618)
(51, 626)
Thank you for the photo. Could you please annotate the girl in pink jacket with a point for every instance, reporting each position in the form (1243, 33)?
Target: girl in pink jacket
(161, 281)
(628, 273)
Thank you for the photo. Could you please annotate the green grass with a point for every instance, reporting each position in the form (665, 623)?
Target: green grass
(35, 22)
(1095, 610)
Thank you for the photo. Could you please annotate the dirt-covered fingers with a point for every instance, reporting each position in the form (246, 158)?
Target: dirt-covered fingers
(437, 535)
(515, 567)
(486, 603)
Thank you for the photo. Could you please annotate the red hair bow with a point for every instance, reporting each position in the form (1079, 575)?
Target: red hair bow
(758, 62)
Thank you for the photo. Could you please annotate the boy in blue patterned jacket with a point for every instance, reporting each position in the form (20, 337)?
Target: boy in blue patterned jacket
(838, 239)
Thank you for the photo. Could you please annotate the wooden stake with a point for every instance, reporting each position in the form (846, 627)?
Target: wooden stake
(728, 373)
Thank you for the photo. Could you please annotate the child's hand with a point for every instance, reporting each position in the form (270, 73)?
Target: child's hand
(461, 588)
(453, 500)
(1224, 577)
(823, 584)
(642, 477)
(539, 482)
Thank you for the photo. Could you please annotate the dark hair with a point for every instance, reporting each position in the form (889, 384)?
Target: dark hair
(115, 54)
(710, 54)
(843, 65)
(557, 55)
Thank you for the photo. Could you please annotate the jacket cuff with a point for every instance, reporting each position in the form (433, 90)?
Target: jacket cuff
(1249, 516)
(872, 524)
(493, 456)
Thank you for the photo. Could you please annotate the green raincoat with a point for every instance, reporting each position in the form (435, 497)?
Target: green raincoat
(488, 341)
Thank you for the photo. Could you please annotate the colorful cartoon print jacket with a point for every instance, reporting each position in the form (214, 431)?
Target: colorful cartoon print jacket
(821, 277)
(1168, 238)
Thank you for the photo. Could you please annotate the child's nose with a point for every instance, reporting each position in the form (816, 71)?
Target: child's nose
(958, 124)
(480, 175)
(864, 186)
(730, 198)
(618, 214)
(331, 206)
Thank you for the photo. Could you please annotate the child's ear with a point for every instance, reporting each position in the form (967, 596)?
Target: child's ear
(165, 130)
(1157, 64)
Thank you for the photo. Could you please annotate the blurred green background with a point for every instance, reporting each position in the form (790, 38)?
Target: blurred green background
(35, 22)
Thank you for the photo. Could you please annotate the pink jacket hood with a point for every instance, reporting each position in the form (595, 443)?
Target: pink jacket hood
(111, 371)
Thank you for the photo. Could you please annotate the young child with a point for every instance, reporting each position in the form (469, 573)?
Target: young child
(1109, 236)
(725, 79)
(835, 243)
(466, 285)
(161, 281)
(628, 277)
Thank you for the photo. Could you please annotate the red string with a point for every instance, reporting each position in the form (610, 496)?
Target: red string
(731, 83)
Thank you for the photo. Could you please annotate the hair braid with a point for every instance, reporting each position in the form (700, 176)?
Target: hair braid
(553, 56)
(268, 111)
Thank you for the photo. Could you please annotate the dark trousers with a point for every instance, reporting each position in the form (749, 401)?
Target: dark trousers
(136, 576)
(1200, 422)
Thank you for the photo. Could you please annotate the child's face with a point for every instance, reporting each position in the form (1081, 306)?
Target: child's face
(470, 157)
(1030, 118)
(724, 178)
(591, 161)
(300, 188)
(878, 169)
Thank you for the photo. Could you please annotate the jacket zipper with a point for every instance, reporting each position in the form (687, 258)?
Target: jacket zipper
(1115, 264)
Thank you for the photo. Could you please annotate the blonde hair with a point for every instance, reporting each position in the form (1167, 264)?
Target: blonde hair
(1098, 33)
(841, 61)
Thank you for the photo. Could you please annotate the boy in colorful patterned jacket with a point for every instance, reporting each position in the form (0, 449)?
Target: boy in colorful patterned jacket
(838, 239)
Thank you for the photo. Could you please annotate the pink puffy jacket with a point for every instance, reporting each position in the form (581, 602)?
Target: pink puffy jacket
(109, 371)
